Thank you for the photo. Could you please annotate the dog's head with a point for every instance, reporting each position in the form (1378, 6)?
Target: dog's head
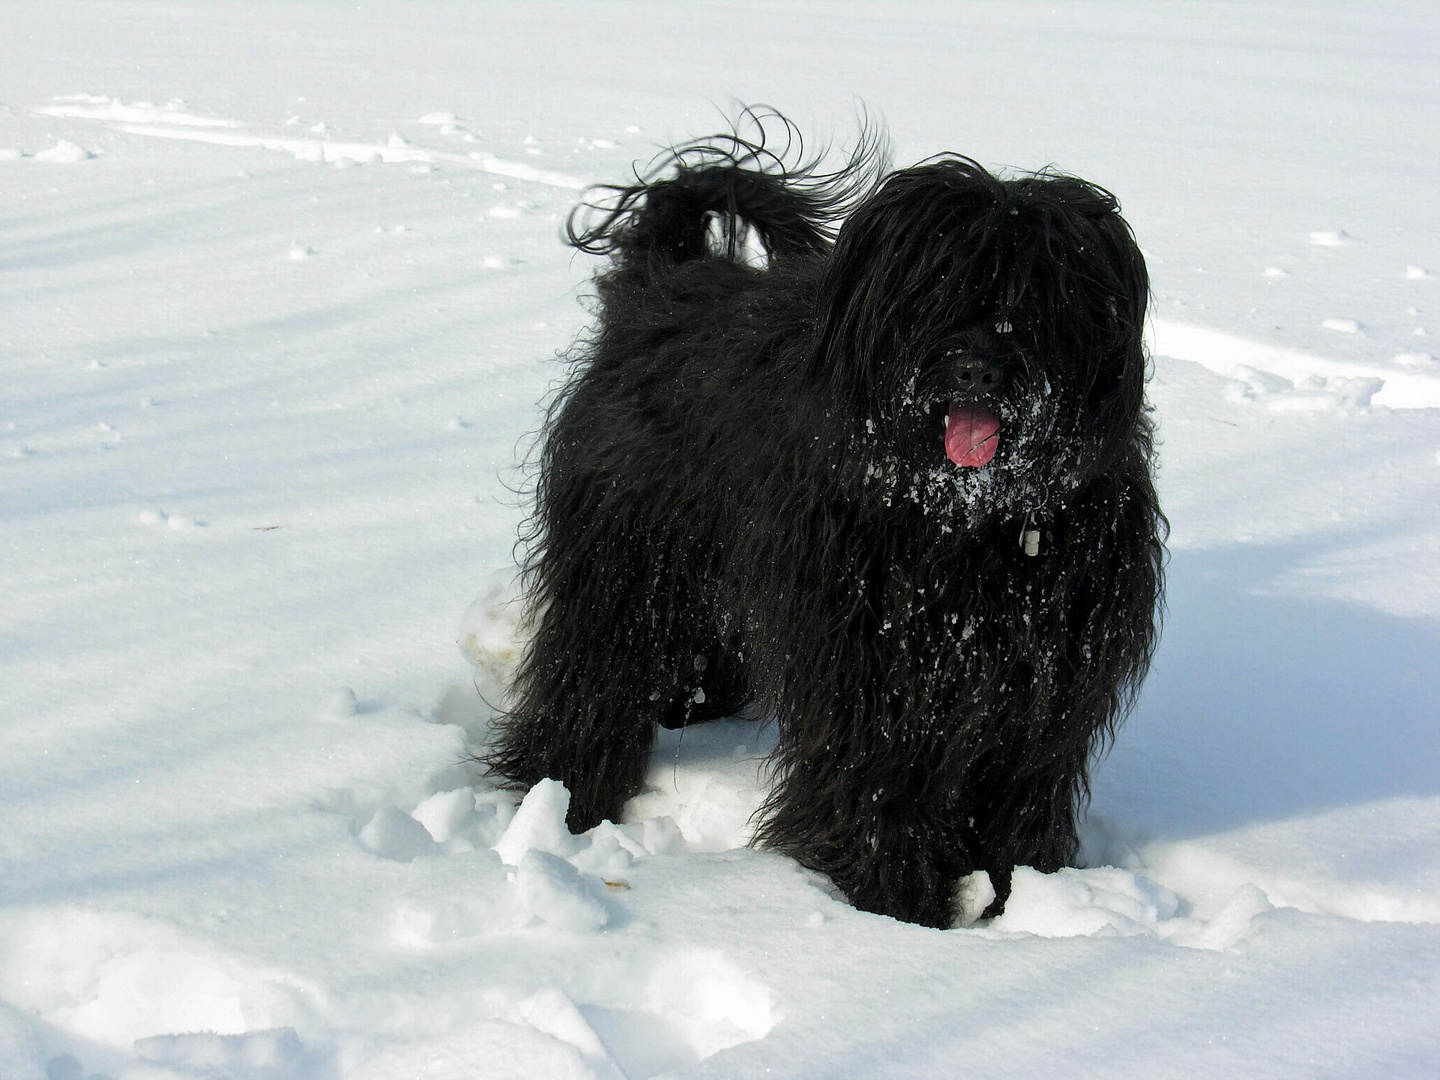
(986, 333)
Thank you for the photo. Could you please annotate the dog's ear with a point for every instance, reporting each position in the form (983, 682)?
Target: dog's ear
(1116, 395)
(858, 290)
(894, 268)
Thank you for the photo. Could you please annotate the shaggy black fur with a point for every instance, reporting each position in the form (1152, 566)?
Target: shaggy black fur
(744, 493)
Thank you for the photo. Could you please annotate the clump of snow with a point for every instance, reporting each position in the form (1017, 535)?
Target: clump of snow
(1075, 902)
(64, 153)
(539, 825)
(394, 834)
(1341, 326)
(339, 704)
(446, 814)
(553, 891)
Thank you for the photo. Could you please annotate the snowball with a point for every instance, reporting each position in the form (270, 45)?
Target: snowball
(975, 893)
(553, 891)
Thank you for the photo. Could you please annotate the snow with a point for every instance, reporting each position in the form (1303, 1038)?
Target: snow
(282, 289)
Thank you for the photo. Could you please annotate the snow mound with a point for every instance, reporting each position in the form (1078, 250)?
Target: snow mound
(256, 1055)
(1109, 902)
(64, 153)
(115, 978)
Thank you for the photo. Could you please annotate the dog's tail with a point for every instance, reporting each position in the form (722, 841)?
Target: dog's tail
(751, 196)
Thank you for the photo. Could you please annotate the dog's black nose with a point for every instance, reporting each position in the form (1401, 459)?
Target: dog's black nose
(979, 374)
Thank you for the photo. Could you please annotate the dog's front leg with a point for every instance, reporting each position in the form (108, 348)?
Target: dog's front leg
(1025, 808)
(869, 826)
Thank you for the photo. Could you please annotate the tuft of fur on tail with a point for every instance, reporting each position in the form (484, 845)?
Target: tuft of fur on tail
(724, 195)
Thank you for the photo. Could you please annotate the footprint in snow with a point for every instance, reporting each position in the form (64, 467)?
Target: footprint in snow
(1315, 393)
(665, 1013)
(1330, 238)
(1421, 361)
(175, 522)
(1342, 326)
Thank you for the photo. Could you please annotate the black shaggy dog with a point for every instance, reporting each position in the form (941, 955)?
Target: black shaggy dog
(884, 470)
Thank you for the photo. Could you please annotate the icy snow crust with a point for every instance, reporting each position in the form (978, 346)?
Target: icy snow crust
(280, 288)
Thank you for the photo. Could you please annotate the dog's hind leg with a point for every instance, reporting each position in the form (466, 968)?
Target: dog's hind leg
(584, 712)
(617, 649)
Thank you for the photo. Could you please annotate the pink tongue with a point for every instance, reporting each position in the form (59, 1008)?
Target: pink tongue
(972, 434)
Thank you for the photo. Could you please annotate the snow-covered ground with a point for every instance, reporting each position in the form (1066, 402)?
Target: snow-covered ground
(280, 292)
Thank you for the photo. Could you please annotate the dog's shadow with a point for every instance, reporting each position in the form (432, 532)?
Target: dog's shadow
(1265, 706)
